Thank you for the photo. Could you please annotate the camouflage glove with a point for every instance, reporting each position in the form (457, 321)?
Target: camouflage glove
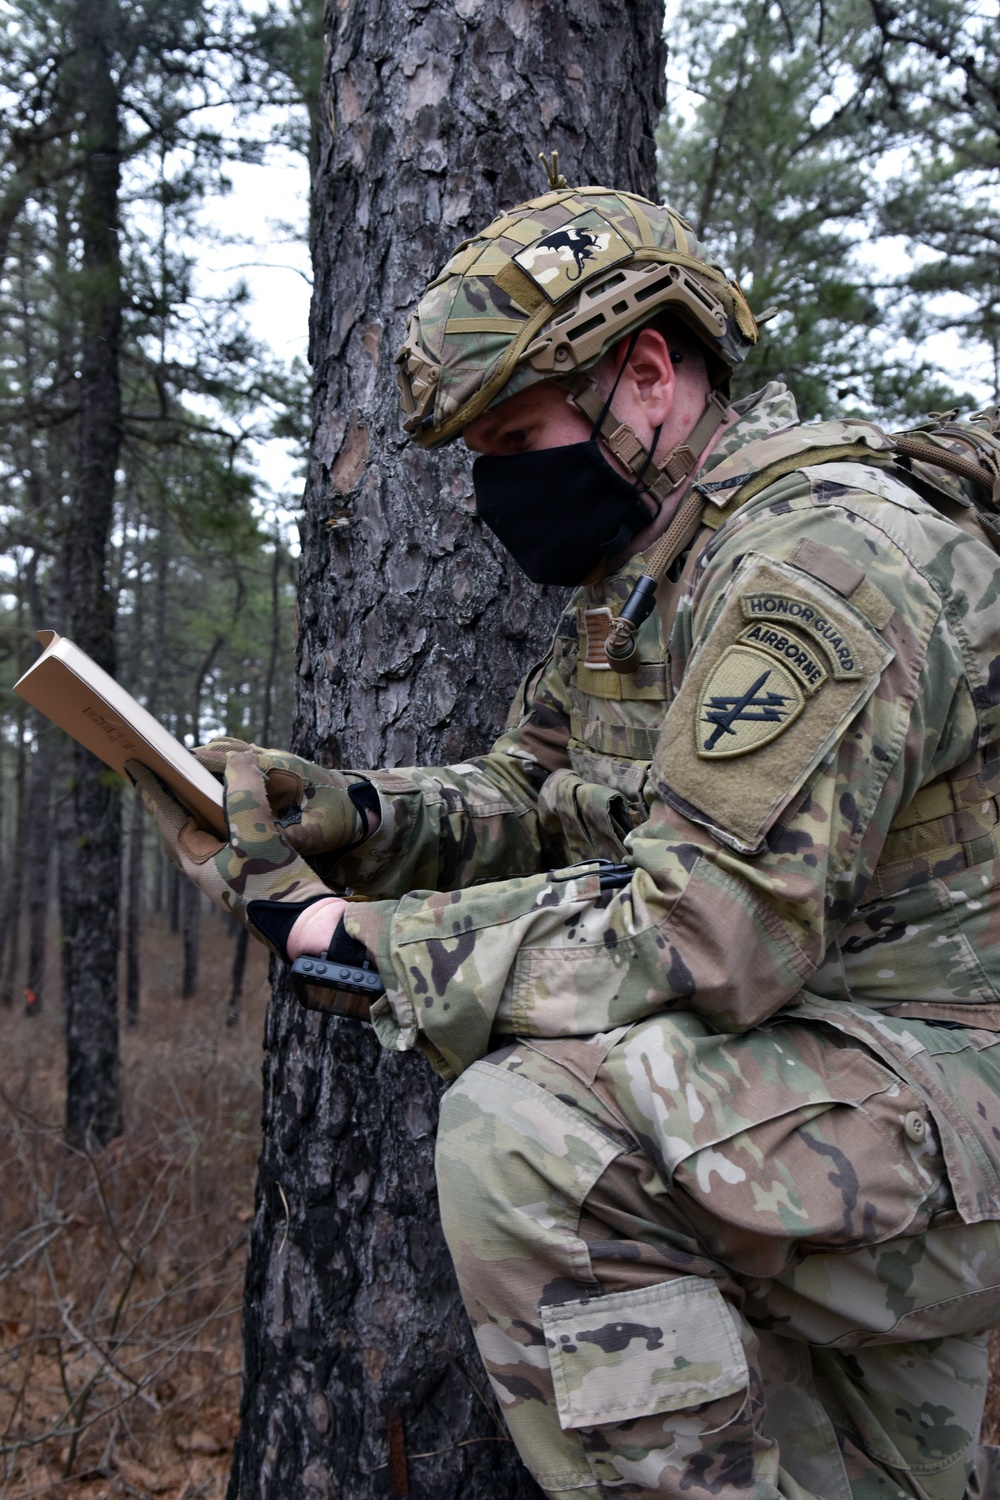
(320, 812)
(256, 876)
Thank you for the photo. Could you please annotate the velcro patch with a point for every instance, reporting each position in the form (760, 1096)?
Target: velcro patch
(787, 665)
(596, 625)
(561, 259)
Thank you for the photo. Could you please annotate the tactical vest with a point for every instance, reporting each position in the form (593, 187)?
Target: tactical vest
(954, 821)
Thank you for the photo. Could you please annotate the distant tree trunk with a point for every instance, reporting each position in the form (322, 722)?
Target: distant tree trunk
(133, 911)
(17, 880)
(277, 558)
(190, 933)
(46, 775)
(236, 978)
(243, 937)
(137, 826)
(414, 633)
(42, 779)
(190, 900)
(10, 941)
(90, 876)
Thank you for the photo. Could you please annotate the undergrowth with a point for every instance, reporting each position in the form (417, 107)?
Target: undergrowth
(121, 1271)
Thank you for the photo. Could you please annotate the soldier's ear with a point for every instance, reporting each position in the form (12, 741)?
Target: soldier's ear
(651, 375)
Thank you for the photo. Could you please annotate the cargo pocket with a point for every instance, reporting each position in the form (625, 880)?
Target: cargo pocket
(636, 1353)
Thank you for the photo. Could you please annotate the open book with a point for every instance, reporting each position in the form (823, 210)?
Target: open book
(74, 692)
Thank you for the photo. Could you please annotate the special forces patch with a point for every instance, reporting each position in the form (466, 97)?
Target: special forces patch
(760, 686)
(748, 700)
(563, 258)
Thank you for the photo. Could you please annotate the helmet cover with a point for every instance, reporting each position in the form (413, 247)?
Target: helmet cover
(546, 290)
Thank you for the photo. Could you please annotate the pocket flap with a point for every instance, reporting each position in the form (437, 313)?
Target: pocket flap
(634, 1353)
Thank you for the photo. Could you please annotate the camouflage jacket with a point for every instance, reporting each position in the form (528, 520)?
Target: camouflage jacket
(798, 778)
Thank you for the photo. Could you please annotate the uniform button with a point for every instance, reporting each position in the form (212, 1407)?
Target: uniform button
(321, 968)
(345, 974)
(915, 1126)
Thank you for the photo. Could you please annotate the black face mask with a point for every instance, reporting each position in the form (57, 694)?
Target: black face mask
(559, 511)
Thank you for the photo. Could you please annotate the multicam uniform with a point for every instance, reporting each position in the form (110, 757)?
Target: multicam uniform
(713, 951)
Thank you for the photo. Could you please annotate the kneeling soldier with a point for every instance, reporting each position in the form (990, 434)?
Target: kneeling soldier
(710, 939)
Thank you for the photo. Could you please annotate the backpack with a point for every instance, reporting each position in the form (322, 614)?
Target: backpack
(956, 459)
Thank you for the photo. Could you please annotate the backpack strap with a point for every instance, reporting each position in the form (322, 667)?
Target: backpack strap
(970, 449)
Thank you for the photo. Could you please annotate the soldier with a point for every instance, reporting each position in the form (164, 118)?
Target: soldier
(710, 938)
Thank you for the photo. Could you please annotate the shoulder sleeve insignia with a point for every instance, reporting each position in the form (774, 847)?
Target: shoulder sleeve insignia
(561, 259)
(815, 623)
(785, 667)
(748, 700)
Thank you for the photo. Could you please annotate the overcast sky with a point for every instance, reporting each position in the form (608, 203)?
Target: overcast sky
(268, 210)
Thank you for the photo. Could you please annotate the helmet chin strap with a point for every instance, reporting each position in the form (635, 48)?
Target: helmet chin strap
(661, 480)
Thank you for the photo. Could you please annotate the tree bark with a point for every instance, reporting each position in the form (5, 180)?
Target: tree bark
(414, 633)
(89, 894)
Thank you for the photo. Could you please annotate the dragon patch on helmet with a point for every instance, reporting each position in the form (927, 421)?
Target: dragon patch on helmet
(559, 261)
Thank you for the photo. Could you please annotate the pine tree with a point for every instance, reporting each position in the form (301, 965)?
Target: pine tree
(818, 135)
(122, 398)
(414, 631)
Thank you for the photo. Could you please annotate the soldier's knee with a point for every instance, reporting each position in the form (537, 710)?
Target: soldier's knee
(466, 1163)
(515, 1162)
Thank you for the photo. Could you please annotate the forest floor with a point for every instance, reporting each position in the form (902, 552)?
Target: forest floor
(121, 1274)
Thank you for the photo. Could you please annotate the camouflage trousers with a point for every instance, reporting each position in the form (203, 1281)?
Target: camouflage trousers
(728, 1266)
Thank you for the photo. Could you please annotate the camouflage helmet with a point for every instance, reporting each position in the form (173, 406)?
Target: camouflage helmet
(545, 290)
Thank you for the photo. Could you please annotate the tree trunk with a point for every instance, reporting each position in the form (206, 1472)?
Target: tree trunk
(414, 633)
(243, 937)
(10, 941)
(133, 911)
(46, 788)
(43, 776)
(161, 867)
(236, 979)
(190, 934)
(17, 873)
(91, 876)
